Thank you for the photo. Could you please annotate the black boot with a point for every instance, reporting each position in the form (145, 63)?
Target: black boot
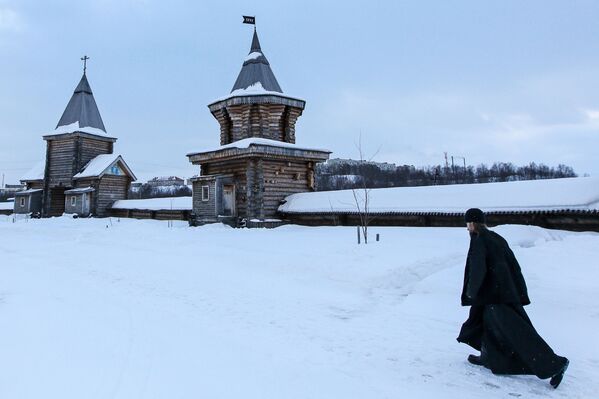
(557, 378)
(475, 360)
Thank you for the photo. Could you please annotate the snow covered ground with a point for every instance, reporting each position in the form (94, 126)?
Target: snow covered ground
(97, 308)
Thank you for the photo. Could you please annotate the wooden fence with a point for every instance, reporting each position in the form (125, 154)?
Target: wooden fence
(162, 214)
(573, 220)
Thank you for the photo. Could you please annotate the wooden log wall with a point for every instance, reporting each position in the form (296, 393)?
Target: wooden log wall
(57, 198)
(37, 184)
(289, 123)
(110, 189)
(89, 149)
(283, 178)
(59, 161)
(204, 209)
(238, 169)
(270, 121)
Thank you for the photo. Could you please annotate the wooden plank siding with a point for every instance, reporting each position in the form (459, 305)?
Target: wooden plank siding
(563, 220)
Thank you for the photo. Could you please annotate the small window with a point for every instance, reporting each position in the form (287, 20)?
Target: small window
(73, 200)
(22, 202)
(205, 193)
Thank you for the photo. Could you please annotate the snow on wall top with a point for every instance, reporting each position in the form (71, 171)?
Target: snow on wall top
(554, 194)
(7, 205)
(35, 173)
(255, 89)
(76, 127)
(156, 204)
(246, 143)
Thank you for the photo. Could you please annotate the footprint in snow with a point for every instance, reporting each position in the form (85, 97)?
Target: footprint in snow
(491, 385)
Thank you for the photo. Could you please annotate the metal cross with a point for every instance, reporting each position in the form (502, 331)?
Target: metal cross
(84, 59)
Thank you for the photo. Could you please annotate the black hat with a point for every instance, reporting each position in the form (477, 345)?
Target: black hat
(474, 215)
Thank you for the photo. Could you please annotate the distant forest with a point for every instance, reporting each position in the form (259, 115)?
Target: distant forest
(149, 191)
(340, 174)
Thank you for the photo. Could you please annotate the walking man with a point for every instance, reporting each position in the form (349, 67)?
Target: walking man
(498, 326)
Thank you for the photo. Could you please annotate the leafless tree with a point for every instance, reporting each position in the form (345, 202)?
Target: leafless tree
(362, 195)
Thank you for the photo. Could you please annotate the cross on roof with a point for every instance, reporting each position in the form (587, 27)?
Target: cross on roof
(84, 59)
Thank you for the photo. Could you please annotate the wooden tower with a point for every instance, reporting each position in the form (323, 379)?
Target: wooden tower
(257, 163)
(81, 175)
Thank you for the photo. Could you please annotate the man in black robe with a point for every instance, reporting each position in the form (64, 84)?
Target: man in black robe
(498, 326)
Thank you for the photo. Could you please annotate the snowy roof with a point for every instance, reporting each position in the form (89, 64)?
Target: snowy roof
(256, 69)
(98, 166)
(156, 204)
(253, 141)
(82, 108)
(80, 190)
(533, 195)
(76, 127)
(30, 191)
(35, 173)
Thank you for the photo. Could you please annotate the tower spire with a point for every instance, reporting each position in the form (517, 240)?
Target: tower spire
(82, 106)
(256, 71)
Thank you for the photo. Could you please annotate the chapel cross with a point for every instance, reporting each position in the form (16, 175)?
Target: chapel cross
(84, 59)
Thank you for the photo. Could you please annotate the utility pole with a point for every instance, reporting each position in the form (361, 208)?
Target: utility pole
(453, 170)
(464, 159)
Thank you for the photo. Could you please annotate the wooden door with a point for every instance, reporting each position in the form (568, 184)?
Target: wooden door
(228, 200)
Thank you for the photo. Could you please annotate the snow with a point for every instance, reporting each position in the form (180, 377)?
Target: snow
(255, 89)
(7, 205)
(80, 190)
(74, 127)
(570, 193)
(246, 143)
(28, 191)
(35, 173)
(99, 164)
(135, 309)
(155, 204)
(252, 56)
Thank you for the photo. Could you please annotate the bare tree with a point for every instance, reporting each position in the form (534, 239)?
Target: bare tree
(362, 195)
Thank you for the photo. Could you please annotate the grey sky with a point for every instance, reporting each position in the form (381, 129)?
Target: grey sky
(492, 81)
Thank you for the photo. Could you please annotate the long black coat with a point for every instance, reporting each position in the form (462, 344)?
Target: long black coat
(492, 274)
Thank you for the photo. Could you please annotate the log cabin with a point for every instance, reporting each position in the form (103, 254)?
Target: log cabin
(258, 164)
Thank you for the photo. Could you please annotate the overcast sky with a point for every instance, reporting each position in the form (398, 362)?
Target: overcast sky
(490, 81)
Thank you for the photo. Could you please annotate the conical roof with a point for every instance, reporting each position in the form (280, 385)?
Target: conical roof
(82, 108)
(255, 72)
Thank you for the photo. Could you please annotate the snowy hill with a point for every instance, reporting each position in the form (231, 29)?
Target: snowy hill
(95, 309)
